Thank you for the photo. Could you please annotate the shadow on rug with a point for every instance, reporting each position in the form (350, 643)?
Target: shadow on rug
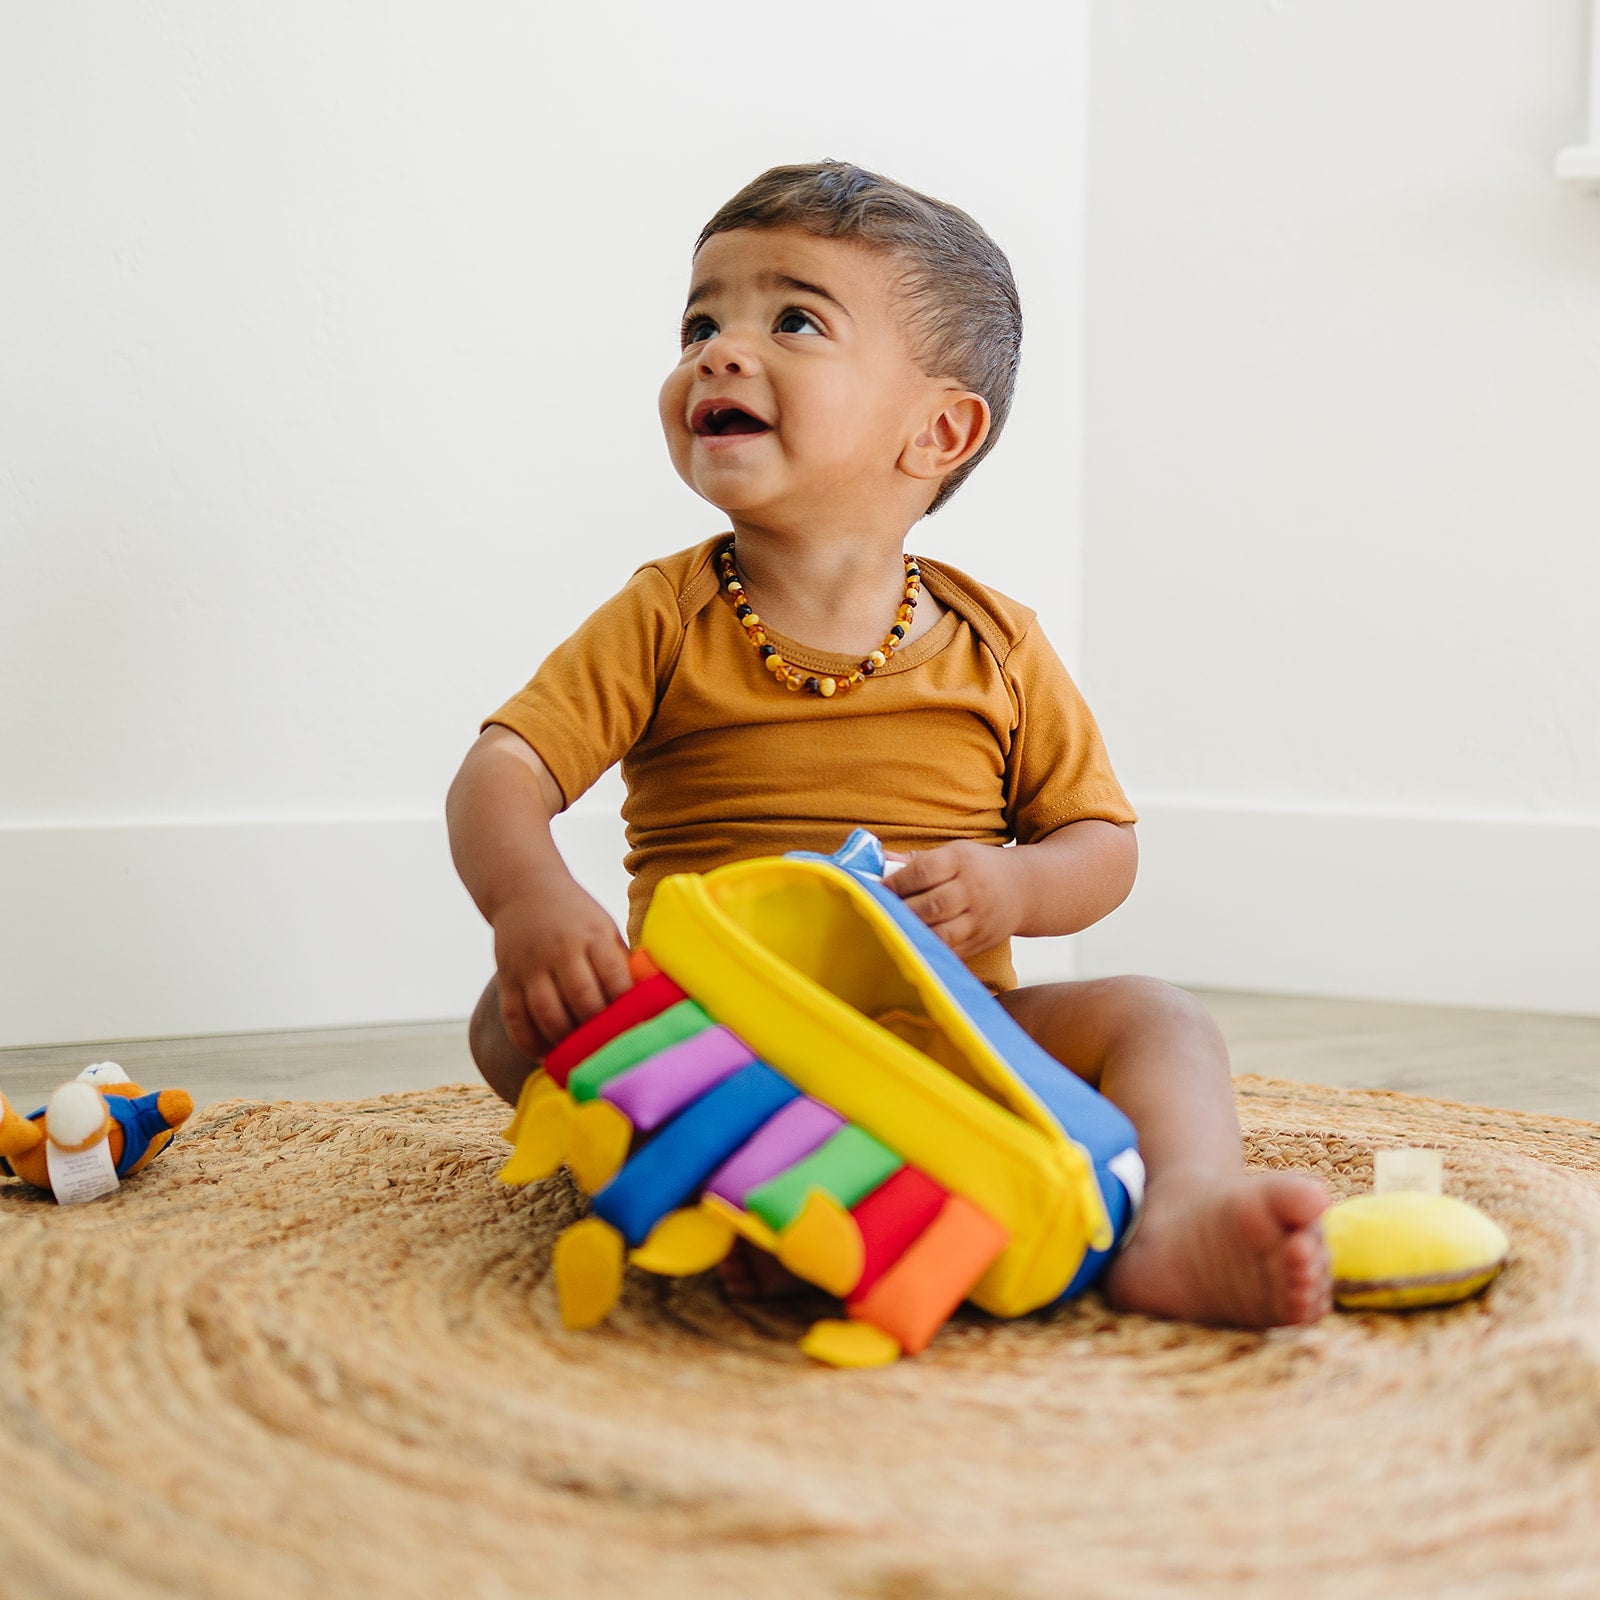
(315, 1350)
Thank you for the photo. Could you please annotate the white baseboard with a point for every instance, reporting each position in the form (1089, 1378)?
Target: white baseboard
(116, 932)
(1472, 911)
(155, 931)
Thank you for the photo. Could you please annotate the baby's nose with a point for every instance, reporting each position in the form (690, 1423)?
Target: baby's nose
(726, 353)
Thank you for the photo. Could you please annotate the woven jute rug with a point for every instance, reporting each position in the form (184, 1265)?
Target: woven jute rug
(315, 1351)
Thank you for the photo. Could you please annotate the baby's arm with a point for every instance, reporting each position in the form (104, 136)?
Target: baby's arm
(975, 896)
(558, 955)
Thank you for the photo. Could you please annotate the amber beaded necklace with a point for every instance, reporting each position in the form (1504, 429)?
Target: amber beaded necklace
(792, 677)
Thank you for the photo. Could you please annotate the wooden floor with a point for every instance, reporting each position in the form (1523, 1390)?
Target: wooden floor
(1539, 1063)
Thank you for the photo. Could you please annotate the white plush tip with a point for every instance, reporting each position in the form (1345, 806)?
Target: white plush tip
(104, 1072)
(75, 1113)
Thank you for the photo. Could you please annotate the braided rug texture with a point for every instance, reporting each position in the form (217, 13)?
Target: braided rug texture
(315, 1350)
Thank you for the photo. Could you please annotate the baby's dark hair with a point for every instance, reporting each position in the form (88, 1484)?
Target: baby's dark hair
(963, 311)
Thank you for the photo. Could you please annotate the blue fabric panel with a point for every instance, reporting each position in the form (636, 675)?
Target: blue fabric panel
(670, 1170)
(141, 1121)
(1120, 1209)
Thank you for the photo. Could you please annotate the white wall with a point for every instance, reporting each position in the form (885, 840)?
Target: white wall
(330, 344)
(1343, 515)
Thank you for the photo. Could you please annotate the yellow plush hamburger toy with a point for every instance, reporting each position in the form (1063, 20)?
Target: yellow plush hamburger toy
(1408, 1245)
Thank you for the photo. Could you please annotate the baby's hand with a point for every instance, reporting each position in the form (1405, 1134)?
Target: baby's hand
(559, 959)
(964, 891)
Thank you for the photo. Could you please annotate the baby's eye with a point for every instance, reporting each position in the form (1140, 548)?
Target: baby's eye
(796, 321)
(696, 330)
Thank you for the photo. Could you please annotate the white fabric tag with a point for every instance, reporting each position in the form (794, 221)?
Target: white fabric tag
(1127, 1167)
(79, 1175)
(1408, 1172)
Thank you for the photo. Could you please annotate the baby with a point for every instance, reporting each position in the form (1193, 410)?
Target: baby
(848, 353)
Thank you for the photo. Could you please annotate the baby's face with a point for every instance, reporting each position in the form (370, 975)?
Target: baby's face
(796, 392)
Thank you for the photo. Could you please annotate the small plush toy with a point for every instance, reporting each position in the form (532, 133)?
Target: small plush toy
(1408, 1244)
(97, 1130)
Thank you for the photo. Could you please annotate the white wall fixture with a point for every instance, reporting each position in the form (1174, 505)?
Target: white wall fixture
(1580, 163)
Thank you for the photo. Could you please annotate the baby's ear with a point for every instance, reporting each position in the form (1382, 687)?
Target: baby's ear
(950, 436)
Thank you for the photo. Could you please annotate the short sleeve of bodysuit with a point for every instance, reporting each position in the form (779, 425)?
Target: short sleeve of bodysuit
(1057, 770)
(595, 694)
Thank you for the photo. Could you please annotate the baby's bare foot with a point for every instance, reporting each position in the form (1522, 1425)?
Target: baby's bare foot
(1246, 1252)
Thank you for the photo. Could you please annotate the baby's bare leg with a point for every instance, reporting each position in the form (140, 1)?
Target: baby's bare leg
(504, 1067)
(1215, 1244)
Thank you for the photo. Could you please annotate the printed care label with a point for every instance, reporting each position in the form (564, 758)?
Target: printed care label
(81, 1175)
(1408, 1172)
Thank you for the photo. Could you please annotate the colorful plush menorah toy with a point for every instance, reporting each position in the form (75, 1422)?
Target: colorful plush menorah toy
(802, 1063)
(98, 1129)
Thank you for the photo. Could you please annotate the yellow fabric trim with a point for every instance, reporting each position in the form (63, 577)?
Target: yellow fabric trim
(598, 1137)
(850, 1344)
(540, 1126)
(534, 1087)
(742, 1222)
(823, 1245)
(684, 1242)
(587, 1264)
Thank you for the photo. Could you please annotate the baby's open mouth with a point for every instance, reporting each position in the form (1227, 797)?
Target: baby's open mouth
(719, 420)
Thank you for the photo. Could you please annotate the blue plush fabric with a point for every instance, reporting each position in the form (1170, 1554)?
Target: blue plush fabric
(670, 1169)
(141, 1121)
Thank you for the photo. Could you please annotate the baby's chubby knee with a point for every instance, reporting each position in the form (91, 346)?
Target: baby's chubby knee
(485, 1030)
(1140, 1002)
(504, 1067)
(1086, 1023)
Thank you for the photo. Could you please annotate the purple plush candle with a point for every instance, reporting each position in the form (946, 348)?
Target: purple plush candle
(662, 1086)
(789, 1136)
